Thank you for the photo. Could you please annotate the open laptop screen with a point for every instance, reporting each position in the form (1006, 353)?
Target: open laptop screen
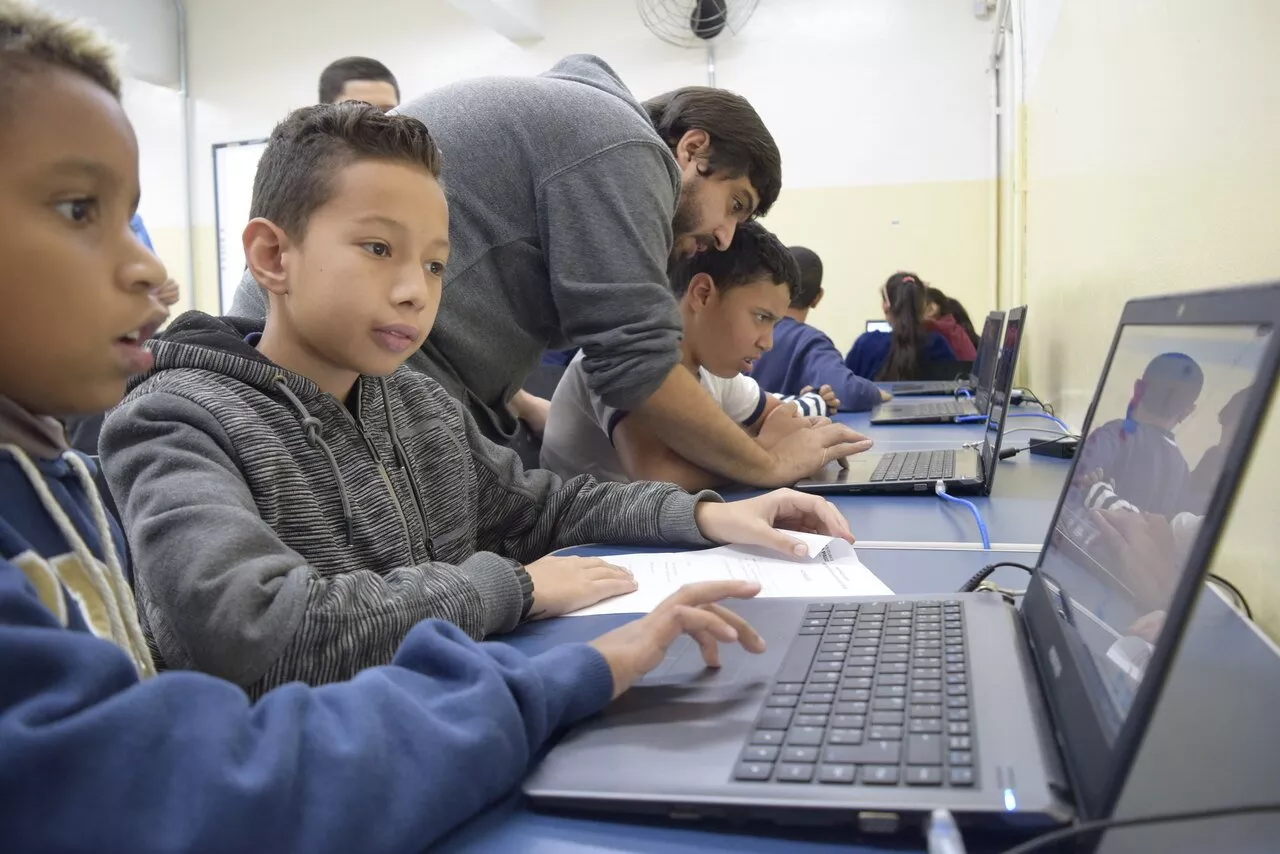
(1165, 417)
(984, 365)
(1001, 390)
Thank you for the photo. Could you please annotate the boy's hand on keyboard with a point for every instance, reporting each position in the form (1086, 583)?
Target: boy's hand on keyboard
(639, 646)
(885, 397)
(754, 522)
(781, 422)
(562, 585)
(806, 452)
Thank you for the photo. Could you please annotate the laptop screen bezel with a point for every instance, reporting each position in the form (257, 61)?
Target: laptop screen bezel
(981, 390)
(1098, 767)
(991, 445)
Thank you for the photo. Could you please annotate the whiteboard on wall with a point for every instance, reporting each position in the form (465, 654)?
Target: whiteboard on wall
(234, 167)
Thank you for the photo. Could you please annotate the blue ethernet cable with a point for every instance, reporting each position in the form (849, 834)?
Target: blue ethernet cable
(1052, 418)
(940, 489)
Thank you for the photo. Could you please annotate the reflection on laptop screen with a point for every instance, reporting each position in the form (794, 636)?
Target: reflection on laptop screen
(879, 326)
(984, 366)
(1000, 392)
(1167, 410)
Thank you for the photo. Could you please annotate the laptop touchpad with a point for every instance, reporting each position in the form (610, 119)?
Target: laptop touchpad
(684, 666)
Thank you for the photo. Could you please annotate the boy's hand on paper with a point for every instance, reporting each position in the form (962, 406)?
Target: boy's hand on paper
(639, 646)
(565, 584)
(753, 522)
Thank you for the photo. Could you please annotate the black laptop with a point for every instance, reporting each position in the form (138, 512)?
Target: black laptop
(970, 399)
(872, 712)
(965, 470)
(988, 343)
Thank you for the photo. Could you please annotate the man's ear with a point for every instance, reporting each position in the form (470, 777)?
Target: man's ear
(817, 298)
(265, 249)
(693, 146)
(701, 290)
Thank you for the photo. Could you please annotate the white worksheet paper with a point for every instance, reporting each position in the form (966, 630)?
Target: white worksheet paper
(832, 569)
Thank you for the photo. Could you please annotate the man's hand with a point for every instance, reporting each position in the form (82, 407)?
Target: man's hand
(782, 421)
(805, 452)
(639, 646)
(753, 522)
(1145, 555)
(828, 396)
(532, 410)
(562, 585)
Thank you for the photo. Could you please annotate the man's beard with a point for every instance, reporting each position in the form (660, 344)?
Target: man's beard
(685, 223)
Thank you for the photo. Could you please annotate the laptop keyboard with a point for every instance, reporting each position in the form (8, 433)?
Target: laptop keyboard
(873, 694)
(950, 408)
(914, 466)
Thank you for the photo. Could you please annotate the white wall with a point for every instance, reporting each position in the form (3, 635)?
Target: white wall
(857, 92)
(147, 30)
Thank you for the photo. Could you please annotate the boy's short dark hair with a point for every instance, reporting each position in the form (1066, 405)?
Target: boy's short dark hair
(1172, 383)
(335, 78)
(755, 252)
(740, 143)
(32, 40)
(308, 149)
(810, 267)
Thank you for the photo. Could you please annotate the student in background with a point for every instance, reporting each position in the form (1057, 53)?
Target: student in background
(948, 317)
(1136, 459)
(729, 303)
(97, 752)
(902, 353)
(804, 358)
(359, 78)
(297, 499)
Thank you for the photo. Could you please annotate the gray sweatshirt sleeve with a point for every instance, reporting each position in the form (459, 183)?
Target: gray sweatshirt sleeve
(605, 226)
(250, 300)
(527, 515)
(223, 594)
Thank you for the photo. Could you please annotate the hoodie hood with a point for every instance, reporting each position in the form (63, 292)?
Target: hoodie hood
(595, 72)
(196, 340)
(37, 435)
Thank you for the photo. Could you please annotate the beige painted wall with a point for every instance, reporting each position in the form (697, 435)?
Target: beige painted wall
(1150, 130)
(864, 234)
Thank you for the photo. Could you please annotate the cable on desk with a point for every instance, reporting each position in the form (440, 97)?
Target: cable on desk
(1056, 836)
(1028, 395)
(1241, 603)
(981, 575)
(940, 489)
(1052, 418)
(964, 392)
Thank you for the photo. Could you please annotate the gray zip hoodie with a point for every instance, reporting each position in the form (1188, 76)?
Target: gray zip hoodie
(561, 198)
(279, 535)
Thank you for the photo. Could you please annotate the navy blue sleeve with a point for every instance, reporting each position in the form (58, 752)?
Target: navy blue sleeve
(937, 349)
(93, 760)
(821, 365)
(868, 354)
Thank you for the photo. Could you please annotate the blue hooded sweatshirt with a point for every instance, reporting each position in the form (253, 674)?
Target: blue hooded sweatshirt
(869, 352)
(97, 753)
(803, 356)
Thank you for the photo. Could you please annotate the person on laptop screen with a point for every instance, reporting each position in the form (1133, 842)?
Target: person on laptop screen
(1131, 519)
(1137, 458)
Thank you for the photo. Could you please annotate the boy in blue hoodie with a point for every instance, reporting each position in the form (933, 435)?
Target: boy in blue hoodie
(97, 753)
(803, 357)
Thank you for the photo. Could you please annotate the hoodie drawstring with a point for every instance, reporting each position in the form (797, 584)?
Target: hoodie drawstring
(315, 437)
(110, 585)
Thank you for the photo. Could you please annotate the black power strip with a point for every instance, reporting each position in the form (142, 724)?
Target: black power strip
(1064, 447)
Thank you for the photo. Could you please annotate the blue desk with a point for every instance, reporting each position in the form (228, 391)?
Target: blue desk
(513, 827)
(1184, 763)
(1017, 513)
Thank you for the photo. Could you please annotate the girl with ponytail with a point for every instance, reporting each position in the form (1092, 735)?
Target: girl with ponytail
(900, 354)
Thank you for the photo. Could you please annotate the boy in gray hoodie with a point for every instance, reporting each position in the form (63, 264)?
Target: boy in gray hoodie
(299, 500)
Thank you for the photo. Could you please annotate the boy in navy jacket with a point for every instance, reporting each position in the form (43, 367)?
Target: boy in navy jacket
(804, 358)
